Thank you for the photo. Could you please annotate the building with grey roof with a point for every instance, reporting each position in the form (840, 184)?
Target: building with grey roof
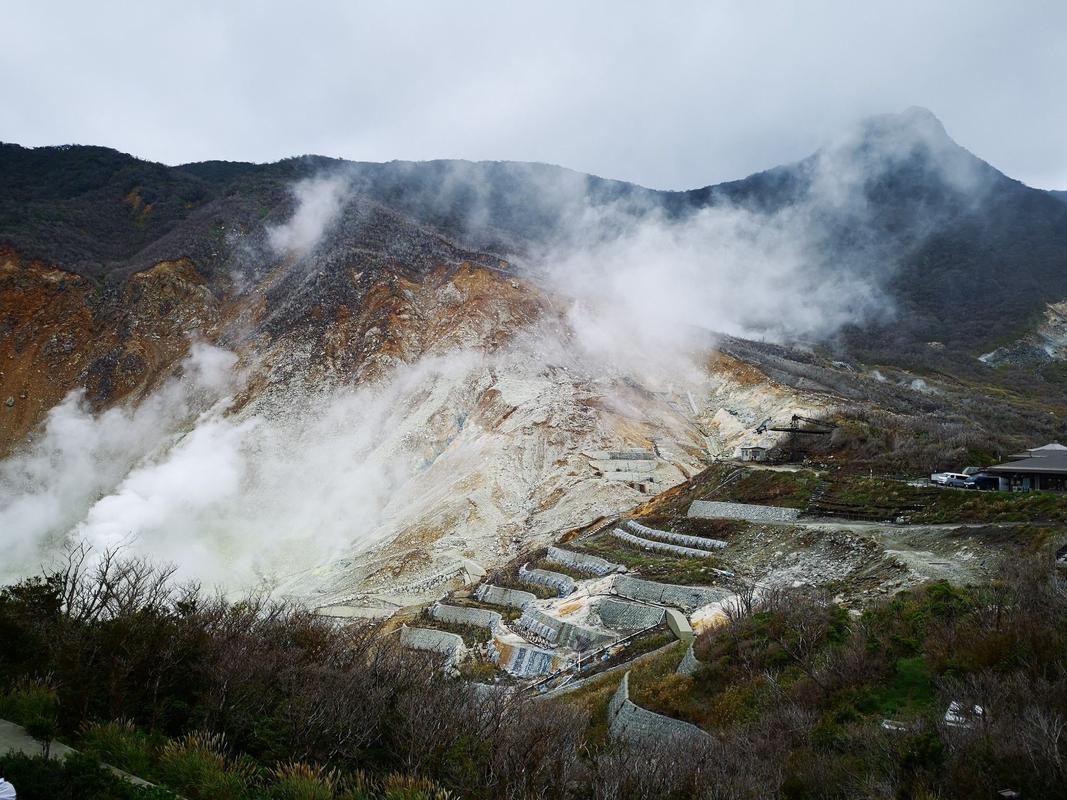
(1039, 469)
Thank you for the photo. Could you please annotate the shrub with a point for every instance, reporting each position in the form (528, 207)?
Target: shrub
(795, 687)
(299, 781)
(406, 787)
(198, 767)
(33, 704)
(122, 745)
(29, 700)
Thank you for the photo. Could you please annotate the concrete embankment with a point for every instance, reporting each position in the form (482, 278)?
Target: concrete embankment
(713, 509)
(631, 723)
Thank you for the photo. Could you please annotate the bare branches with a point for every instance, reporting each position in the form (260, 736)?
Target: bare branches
(105, 585)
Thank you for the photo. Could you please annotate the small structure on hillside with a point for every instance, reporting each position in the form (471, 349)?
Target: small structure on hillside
(804, 434)
(956, 716)
(754, 452)
(1039, 468)
(634, 467)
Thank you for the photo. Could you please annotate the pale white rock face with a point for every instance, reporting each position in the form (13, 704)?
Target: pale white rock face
(368, 478)
(1047, 342)
(1054, 330)
(497, 448)
(739, 398)
(513, 475)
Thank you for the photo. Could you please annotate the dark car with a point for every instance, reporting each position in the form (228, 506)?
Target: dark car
(961, 483)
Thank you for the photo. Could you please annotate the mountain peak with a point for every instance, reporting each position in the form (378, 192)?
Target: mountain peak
(920, 116)
(911, 127)
(914, 146)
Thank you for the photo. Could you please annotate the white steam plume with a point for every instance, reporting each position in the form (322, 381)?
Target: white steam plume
(727, 270)
(319, 202)
(77, 456)
(645, 285)
(235, 501)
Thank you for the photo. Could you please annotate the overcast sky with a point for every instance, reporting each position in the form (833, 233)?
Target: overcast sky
(670, 95)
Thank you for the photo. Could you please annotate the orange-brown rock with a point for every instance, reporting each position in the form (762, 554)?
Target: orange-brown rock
(60, 331)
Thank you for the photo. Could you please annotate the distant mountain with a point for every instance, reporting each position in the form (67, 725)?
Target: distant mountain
(382, 380)
(968, 256)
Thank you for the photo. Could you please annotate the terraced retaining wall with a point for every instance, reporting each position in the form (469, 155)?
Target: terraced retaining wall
(659, 547)
(686, 598)
(564, 584)
(559, 632)
(461, 615)
(631, 723)
(523, 661)
(621, 455)
(499, 596)
(710, 509)
(629, 477)
(449, 644)
(594, 565)
(539, 625)
(699, 542)
(619, 615)
(624, 465)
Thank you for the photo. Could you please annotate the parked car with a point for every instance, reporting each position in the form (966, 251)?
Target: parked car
(942, 478)
(961, 483)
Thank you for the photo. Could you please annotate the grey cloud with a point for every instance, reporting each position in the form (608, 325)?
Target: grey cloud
(675, 98)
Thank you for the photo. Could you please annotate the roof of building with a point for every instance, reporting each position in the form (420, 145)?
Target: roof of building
(1049, 464)
(1050, 449)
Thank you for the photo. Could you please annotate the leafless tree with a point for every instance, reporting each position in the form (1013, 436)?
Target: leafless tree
(106, 584)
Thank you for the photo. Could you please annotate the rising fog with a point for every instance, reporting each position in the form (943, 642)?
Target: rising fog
(319, 201)
(644, 282)
(78, 457)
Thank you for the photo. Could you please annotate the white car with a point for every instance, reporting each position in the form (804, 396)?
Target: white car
(943, 478)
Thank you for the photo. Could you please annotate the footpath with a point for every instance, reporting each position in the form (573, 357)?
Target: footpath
(13, 738)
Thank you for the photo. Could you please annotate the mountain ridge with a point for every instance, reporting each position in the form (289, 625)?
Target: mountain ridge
(940, 229)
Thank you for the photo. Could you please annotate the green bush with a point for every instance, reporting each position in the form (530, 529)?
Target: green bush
(33, 704)
(29, 702)
(122, 745)
(910, 689)
(197, 766)
(923, 751)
